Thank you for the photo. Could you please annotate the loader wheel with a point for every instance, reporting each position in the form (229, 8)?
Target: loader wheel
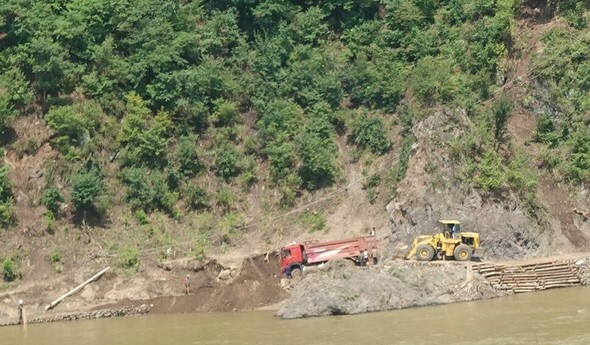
(462, 253)
(424, 252)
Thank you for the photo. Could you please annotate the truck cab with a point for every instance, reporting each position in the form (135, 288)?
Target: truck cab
(293, 257)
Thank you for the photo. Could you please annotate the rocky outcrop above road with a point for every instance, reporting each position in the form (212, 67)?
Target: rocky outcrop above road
(340, 289)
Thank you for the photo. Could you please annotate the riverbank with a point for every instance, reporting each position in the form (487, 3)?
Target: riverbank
(334, 289)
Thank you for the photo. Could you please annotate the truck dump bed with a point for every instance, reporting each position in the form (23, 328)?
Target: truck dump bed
(339, 249)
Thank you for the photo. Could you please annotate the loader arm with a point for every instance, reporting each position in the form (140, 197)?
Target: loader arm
(418, 241)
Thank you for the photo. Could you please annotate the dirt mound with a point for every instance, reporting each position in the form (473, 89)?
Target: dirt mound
(254, 285)
(341, 289)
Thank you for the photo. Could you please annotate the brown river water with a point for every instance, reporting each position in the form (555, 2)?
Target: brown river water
(550, 317)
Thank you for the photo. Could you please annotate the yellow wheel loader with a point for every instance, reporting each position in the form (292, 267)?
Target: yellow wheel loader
(450, 242)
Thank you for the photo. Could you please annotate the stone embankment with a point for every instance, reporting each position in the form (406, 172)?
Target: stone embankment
(85, 315)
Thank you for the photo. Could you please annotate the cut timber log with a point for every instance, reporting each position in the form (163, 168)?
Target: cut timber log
(531, 276)
(76, 289)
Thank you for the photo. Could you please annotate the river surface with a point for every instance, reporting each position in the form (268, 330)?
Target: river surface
(551, 317)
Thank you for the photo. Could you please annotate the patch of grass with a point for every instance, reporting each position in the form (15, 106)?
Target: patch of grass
(370, 186)
(313, 221)
(230, 225)
(141, 217)
(26, 147)
(129, 260)
(56, 260)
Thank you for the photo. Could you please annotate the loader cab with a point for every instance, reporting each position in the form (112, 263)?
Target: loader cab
(451, 228)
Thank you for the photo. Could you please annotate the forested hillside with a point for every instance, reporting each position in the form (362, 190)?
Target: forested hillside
(210, 116)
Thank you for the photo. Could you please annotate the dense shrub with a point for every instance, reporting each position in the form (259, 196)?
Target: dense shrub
(15, 94)
(51, 199)
(197, 197)
(144, 139)
(578, 167)
(280, 120)
(227, 161)
(73, 124)
(226, 113)
(86, 187)
(7, 211)
(147, 190)
(369, 132)
(282, 158)
(189, 163)
(434, 80)
(489, 174)
(317, 161)
(501, 111)
(151, 72)
(9, 270)
(226, 199)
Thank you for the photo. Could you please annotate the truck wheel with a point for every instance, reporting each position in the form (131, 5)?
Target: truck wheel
(424, 252)
(462, 253)
(296, 272)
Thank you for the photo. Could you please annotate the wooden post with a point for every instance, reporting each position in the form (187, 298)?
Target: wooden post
(76, 289)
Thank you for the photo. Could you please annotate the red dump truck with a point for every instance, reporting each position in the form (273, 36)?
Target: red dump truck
(295, 256)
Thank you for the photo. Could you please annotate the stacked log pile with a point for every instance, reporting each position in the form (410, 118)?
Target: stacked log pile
(531, 277)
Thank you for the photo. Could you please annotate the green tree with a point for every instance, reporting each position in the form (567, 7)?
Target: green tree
(15, 94)
(189, 163)
(73, 124)
(317, 166)
(86, 187)
(282, 158)
(227, 161)
(147, 190)
(144, 139)
(369, 132)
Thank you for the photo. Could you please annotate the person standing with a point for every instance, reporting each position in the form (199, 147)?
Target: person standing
(366, 258)
(187, 284)
(20, 312)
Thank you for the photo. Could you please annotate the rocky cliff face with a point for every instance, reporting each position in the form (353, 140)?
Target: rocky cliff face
(433, 191)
